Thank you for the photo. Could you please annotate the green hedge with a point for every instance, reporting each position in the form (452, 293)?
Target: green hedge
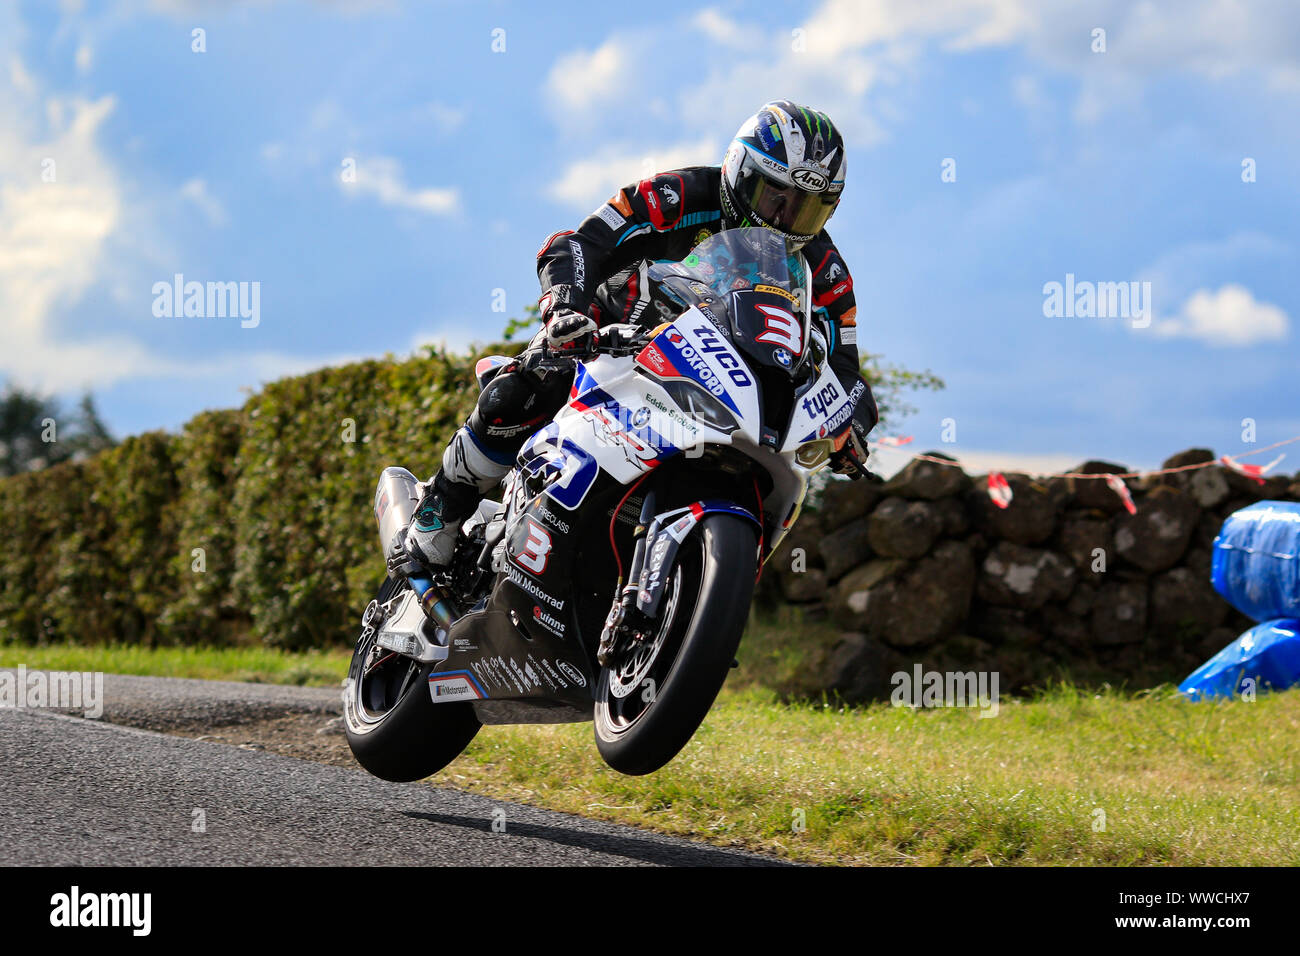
(251, 524)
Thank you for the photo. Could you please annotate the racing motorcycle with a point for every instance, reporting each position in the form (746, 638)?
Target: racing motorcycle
(613, 580)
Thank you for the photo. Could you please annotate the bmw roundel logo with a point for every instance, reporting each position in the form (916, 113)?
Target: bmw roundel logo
(782, 357)
(640, 416)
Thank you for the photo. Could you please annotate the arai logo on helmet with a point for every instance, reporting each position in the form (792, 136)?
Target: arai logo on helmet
(810, 179)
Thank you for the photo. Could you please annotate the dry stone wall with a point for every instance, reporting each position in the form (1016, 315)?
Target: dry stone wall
(1062, 583)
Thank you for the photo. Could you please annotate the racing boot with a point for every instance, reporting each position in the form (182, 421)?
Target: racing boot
(449, 498)
(431, 535)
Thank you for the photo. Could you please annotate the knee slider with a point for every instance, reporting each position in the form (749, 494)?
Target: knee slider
(512, 406)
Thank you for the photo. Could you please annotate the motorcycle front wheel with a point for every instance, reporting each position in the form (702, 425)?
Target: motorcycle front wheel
(654, 697)
(393, 726)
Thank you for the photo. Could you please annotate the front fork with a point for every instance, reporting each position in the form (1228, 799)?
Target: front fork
(658, 537)
(624, 618)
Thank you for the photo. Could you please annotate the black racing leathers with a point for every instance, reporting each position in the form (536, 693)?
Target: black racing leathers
(601, 269)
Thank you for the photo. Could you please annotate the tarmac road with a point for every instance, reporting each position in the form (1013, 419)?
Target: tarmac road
(75, 791)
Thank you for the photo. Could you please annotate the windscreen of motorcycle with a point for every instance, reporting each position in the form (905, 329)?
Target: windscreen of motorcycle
(764, 285)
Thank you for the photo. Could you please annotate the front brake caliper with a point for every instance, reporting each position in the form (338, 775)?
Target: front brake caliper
(610, 633)
(624, 624)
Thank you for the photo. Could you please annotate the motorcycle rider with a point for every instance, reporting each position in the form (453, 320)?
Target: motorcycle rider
(784, 170)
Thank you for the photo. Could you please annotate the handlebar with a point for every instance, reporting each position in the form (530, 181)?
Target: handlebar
(544, 357)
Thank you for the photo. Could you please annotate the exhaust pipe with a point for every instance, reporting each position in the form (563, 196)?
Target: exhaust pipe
(395, 500)
(396, 497)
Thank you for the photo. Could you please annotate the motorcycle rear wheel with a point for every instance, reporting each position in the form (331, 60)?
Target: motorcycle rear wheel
(652, 700)
(393, 726)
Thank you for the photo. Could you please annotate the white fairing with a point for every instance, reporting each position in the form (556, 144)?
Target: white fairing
(623, 420)
(690, 389)
(820, 412)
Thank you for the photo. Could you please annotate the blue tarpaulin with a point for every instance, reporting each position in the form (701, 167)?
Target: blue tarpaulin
(1257, 560)
(1256, 567)
(1268, 655)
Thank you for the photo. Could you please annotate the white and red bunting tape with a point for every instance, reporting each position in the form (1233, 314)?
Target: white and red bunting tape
(1117, 485)
(1253, 472)
(999, 489)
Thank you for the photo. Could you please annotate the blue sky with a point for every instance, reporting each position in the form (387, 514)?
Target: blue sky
(1122, 165)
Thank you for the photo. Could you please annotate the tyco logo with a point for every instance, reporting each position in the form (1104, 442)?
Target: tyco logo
(817, 404)
(714, 346)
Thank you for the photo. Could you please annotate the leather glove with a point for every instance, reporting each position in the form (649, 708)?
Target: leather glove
(621, 335)
(851, 458)
(568, 331)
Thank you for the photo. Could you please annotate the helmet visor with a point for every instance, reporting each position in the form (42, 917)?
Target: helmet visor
(785, 207)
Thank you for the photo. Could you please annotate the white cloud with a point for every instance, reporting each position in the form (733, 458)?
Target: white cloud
(329, 143)
(836, 60)
(584, 78)
(1028, 92)
(326, 115)
(843, 59)
(19, 78)
(850, 58)
(381, 177)
(1092, 102)
(725, 31)
(1228, 317)
(85, 58)
(1191, 265)
(1214, 39)
(455, 337)
(448, 118)
(587, 182)
(839, 27)
(196, 192)
(1211, 39)
(55, 215)
(841, 55)
(313, 150)
(66, 228)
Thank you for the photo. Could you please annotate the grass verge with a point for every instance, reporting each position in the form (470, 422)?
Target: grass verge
(260, 665)
(1071, 776)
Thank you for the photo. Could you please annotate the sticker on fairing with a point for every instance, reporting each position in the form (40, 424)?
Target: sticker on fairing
(641, 445)
(448, 687)
(690, 364)
(819, 404)
(662, 548)
(573, 469)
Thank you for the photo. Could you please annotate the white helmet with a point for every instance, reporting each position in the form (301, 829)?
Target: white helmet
(784, 170)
